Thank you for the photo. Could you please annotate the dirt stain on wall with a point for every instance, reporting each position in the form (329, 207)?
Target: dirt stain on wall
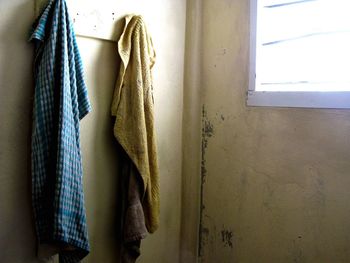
(207, 132)
(227, 237)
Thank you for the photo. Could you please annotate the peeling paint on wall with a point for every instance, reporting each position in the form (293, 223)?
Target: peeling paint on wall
(227, 237)
(207, 132)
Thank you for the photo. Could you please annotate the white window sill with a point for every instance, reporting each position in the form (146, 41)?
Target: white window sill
(306, 99)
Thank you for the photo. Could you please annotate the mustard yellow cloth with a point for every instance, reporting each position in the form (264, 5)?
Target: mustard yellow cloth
(133, 108)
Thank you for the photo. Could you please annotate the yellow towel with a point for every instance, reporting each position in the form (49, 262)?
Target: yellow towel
(133, 108)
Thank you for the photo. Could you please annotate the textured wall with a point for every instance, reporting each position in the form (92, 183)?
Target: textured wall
(275, 181)
(17, 242)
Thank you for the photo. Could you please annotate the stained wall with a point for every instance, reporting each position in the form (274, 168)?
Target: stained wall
(275, 182)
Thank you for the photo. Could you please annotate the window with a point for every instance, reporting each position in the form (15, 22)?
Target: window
(300, 53)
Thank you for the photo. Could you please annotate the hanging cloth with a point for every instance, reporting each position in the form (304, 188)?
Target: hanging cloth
(134, 130)
(133, 108)
(60, 101)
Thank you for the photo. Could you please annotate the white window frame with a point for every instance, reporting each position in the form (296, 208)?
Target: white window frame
(299, 99)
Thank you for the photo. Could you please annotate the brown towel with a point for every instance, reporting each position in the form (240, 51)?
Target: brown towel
(133, 223)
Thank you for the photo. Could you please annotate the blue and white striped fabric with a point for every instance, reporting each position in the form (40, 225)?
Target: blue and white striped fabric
(60, 102)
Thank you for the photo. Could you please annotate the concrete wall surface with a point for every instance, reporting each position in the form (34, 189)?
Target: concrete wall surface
(275, 181)
(166, 24)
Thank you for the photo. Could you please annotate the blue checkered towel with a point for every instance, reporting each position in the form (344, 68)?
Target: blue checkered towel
(60, 102)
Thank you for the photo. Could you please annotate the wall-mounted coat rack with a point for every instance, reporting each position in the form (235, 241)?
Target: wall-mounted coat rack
(101, 19)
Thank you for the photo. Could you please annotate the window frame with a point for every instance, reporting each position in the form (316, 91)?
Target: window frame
(299, 99)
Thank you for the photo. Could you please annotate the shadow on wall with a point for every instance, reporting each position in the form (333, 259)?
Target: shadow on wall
(101, 152)
(17, 239)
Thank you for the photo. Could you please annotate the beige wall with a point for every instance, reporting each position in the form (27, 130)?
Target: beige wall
(191, 134)
(17, 242)
(276, 181)
(16, 231)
